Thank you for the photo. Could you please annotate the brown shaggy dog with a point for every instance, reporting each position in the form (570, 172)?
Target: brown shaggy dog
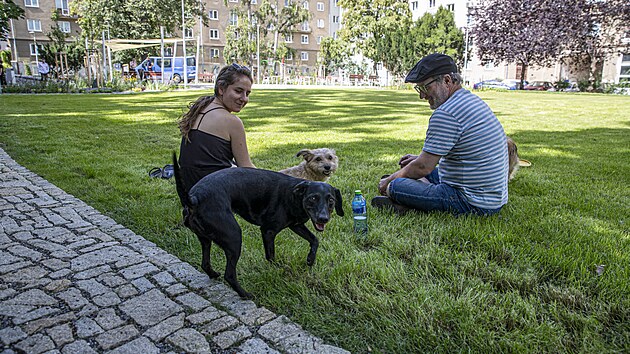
(318, 165)
(514, 161)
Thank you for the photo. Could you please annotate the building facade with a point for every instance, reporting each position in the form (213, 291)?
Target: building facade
(28, 34)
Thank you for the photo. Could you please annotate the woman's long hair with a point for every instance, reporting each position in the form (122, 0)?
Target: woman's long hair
(227, 76)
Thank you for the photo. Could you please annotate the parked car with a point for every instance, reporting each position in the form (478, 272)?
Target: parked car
(151, 69)
(573, 87)
(539, 86)
(494, 84)
(513, 84)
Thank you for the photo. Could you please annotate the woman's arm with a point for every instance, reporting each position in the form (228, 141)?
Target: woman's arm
(239, 143)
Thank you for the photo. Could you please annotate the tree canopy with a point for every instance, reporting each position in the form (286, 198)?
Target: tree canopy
(8, 11)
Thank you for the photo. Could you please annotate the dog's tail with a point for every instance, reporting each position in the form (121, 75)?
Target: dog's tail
(184, 198)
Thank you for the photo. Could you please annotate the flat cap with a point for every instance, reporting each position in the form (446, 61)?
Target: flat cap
(431, 65)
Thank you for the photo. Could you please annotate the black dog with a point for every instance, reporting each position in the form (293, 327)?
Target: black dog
(269, 199)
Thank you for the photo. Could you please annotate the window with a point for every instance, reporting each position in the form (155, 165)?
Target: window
(214, 53)
(305, 26)
(233, 19)
(188, 33)
(320, 23)
(319, 39)
(287, 2)
(431, 3)
(233, 1)
(320, 6)
(414, 5)
(64, 26)
(63, 6)
(34, 48)
(305, 5)
(304, 56)
(34, 25)
(335, 19)
(289, 56)
(254, 2)
(624, 70)
(450, 7)
(213, 15)
(305, 39)
(31, 3)
(214, 34)
(288, 38)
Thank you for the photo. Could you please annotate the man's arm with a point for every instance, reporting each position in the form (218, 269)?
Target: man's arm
(416, 169)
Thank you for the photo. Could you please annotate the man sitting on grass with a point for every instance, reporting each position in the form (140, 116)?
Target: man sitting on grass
(464, 137)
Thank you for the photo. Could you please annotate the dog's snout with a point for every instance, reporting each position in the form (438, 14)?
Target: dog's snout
(327, 167)
(323, 219)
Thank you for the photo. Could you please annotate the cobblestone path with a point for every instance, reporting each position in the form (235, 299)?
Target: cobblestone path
(74, 281)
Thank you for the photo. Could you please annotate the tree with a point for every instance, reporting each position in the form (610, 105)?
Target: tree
(271, 21)
(368, 24)
(134, 19)
(74, 51)
(596, 33)
(8, 11)
(334, 54)
(403, 47)
(525, 32)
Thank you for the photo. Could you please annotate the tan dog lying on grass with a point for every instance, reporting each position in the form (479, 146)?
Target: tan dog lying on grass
(318, 165)
(514, 161)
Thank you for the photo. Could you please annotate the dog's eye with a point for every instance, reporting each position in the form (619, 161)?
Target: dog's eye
(318, 159)
(330, 157)
(312, 198)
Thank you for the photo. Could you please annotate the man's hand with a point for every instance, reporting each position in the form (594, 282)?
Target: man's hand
(405, 160)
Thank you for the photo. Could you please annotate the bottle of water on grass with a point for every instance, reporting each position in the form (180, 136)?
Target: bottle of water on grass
(359, 214)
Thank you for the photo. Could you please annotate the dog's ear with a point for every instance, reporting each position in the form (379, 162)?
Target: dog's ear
(300, 189)
(338, 202)
(306, 153)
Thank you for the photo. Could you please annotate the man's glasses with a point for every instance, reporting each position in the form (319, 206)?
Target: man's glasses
(424, 88)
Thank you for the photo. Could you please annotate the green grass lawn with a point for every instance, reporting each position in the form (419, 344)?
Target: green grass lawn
(522, 281)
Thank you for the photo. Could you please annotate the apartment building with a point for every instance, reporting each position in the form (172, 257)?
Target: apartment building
(304, 41)
(28, 34)
(616, 67)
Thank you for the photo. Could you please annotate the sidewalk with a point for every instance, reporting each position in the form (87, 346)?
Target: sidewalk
(74, 281)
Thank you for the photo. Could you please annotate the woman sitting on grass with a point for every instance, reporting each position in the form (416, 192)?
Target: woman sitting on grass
(212, 137)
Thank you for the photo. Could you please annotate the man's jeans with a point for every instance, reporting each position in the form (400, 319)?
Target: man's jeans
(433, 196)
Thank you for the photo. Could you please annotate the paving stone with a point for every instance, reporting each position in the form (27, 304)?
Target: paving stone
(55, 233)
(36, 344)
(23, 235)
(189, 341)
(164, 279)
(55, 264)
(137, 346)
(193, 301)
(34, 297)
(51, 247)
(26, 252)
(108, 319)
(92, 287)
(111, 280)
(9, 268)
(97, 246)
(257, 346)
(116, 337)
(87, 327)
(6, 293)
(11, 335)
(81, 243)
(126, 291)
(220, 325)
(60, 273)
(150, 308)
(73, 298)
(35, 314)
(176, 289)
(58, 285)
(138, 270)
(61, 334)
(228, 338)
(34, 326)
(205, 316)
(100, 257)
(107, 299)
(165, 328)
(8, 258)
(254, 316)
(77, 347)
(142, 284)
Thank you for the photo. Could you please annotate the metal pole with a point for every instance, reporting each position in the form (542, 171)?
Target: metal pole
(258, 53)
(36, 52)
(109, 58)
(465, 57)
(184, 46)
(162, 52)
(104, 55)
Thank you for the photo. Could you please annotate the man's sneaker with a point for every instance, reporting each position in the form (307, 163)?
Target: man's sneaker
(385, 203)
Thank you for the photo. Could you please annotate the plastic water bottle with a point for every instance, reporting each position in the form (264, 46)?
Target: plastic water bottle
(359, 214)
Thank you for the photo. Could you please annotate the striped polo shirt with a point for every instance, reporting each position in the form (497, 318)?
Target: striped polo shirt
(473, 146)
